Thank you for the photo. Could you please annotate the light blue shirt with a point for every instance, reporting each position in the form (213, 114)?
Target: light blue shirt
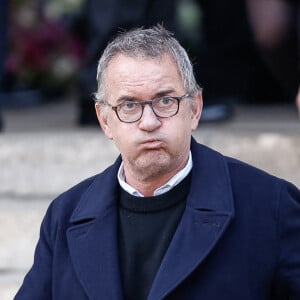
(177, 178)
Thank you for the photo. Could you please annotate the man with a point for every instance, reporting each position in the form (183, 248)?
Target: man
(170, 219)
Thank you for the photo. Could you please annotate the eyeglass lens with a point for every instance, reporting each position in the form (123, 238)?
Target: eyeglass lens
(162, 107)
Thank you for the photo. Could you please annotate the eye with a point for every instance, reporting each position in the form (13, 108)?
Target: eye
(165, 101)
(129, 106)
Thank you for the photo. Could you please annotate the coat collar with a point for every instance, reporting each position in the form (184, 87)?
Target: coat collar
(211, 186)
(99, 197)
(93, 237)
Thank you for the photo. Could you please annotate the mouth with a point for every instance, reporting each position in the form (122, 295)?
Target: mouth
(151, 144)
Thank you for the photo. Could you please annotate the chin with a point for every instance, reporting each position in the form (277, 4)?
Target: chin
(154, 164)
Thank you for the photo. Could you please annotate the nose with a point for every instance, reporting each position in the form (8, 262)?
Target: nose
(149, 121)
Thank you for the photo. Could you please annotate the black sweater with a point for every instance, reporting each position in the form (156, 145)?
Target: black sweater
(146, 228)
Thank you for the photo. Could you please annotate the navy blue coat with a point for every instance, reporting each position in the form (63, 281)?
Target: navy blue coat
(239, 238)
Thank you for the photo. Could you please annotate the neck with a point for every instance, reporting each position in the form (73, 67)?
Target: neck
(147, 185)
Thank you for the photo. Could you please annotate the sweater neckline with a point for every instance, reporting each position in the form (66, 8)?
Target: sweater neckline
(155, 203)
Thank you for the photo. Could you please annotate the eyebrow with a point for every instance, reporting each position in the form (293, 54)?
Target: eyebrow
(164, 93)
(132, 98)
(125, 98)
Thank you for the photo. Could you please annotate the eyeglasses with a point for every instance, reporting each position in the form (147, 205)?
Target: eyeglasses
(132, 111)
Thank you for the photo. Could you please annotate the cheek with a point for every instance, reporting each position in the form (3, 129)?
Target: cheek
(178, 133)
(126, 148)
(114, 127)
(183, 125)
(181, 132)
(121, 136)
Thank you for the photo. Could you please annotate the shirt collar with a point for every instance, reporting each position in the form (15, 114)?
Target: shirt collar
(177, 178)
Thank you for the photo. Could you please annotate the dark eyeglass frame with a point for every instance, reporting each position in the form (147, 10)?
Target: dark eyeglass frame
(150, 103)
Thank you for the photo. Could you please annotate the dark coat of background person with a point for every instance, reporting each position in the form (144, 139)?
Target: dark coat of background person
(3, 47)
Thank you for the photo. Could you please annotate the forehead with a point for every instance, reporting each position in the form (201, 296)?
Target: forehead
(126, 74)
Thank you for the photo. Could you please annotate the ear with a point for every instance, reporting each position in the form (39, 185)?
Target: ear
(197, 110)
(102, 119)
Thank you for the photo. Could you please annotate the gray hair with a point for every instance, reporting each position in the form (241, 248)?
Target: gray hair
(147, 43)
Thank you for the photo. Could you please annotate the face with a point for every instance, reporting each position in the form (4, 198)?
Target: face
(153, 148)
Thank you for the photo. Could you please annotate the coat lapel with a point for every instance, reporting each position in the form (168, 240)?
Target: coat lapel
(92, 239)
(208, 214)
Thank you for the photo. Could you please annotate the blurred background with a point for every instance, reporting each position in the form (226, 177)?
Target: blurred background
(246, 58)
(244, 51)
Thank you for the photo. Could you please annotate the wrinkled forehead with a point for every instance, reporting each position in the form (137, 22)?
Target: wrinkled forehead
(122, 62)
(142, 76)
(133, 65)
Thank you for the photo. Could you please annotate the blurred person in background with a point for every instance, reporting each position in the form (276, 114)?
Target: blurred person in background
(103, 19)
(276, 29)
(298, 101)
(227, 62)
(3, 50)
